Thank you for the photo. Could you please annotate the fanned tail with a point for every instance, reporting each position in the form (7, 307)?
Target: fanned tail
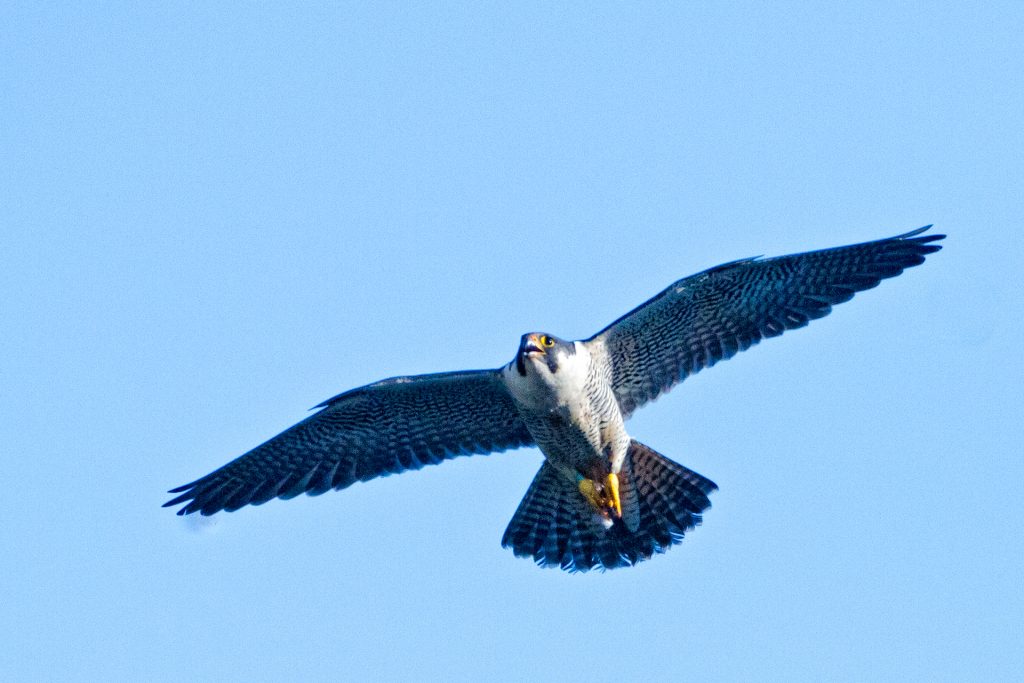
(557, 527)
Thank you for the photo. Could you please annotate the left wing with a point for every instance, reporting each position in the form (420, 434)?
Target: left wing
(383, 428)
(712, 315)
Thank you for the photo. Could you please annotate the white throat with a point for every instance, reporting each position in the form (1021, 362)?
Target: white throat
(543, 389)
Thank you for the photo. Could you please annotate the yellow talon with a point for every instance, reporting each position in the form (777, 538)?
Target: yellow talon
(612, 484)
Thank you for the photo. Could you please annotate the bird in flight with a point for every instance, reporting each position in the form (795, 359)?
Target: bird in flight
(601, 499)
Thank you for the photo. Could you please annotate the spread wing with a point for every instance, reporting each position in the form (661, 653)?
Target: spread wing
(712, 315)
(383, 428)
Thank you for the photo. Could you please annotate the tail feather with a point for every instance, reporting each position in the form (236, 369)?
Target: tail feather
(544, 524)
(556, 526)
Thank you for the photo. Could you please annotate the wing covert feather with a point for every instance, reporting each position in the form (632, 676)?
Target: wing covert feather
(383, 428)
(711, 316)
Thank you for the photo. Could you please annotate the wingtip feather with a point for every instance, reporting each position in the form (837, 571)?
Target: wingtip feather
(912, 237)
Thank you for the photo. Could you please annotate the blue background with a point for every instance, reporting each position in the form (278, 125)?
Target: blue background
(216, 215)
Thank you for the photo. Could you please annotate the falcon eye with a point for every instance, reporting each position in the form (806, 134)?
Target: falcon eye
(547, 341)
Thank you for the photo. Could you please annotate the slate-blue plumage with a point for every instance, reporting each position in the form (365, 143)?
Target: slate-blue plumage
(408, 422)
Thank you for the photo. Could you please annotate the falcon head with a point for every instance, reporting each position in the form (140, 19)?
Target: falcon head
(543, 348)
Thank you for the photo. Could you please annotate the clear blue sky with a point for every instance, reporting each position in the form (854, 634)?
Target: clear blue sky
(215, 216)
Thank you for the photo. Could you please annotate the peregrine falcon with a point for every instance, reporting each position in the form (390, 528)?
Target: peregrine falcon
(601, 499)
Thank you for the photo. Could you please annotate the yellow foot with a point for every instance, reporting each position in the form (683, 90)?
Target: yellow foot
(589, 490)
(612, 486)
(603, 497)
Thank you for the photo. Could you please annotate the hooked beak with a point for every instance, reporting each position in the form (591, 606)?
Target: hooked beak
(531, 344)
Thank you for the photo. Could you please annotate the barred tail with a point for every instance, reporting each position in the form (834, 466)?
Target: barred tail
(557, 527)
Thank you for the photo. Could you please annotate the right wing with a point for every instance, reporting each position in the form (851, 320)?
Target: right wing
(383, 428)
